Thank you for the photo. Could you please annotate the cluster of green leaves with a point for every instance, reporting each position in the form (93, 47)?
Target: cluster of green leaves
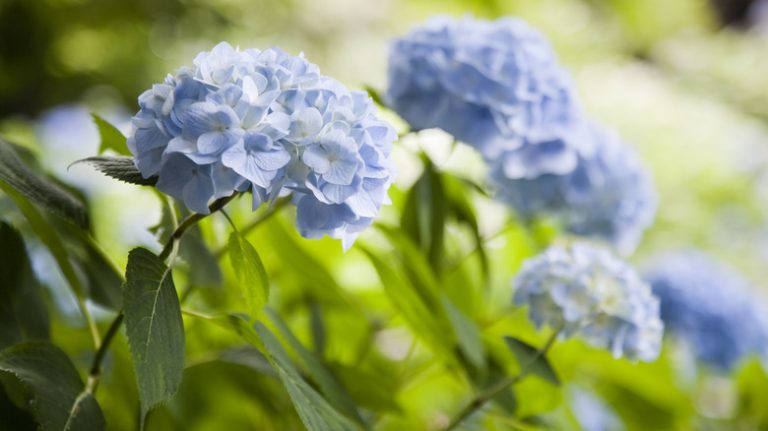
(419, 334)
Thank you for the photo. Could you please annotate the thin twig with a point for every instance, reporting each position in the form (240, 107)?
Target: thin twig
(480, 400)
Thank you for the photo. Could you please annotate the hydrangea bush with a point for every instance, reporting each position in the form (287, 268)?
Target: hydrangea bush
(583, 289)
(269, 123)
(709, 307)
(353, 341)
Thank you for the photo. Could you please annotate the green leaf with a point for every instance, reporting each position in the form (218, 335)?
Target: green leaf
(16, 175)
(425, 323)
(424, 215)
(252, 277)
(203, 265)
(315, 412)
(375, 95)
(468, 335)
(56, 395)
(461, 209)
(119, 168)
(326, 381)
(154, 327)
(531, 360)
(111, 138)
(48, 235)
(23, 315)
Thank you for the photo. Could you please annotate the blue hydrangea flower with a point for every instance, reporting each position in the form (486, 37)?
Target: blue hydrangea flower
(607, 193)
(485, 82)
(268, 123)
(709, 307)
(586, 290)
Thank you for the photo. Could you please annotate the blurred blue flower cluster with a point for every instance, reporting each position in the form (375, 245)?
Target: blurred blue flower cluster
(584, 289)
(485, 82)
(497, 86)
(709, 307)
(607, 195)
(270, 123)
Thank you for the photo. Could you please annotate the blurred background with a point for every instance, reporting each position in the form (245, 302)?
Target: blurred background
(684, 81)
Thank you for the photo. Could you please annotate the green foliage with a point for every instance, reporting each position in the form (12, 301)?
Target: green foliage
(111, 138)
(52, 387)
(15, 175)
(23, 315)
(154, 327)
(532, 360)
(315, 412)
(251, 274)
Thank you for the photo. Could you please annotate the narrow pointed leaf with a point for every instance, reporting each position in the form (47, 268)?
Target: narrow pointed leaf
(467, 334)
(315, 412)
(119, 168)
(111, 138)
(154, 327)
(56, 394)
(252, 277)
(326, 381)
(38, 189)
(530, 359)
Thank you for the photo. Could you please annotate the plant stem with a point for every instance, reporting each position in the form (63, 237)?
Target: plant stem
(190, 221)
(256, 222)
(481, 399)
(95, 373)
(169, 250)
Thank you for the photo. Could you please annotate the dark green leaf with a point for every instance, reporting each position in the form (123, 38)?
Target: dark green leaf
(57, 397)
(111, 138)
(39, 190)
(120, 168)
(48, 235)
(531, 361)
(23, 315)
(154, 327)
(325, 380)
(468, 335)
(313, 409)
(252, 277)
(203, 266)
(423, 217)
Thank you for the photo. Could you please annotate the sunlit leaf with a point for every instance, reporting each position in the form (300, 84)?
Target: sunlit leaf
(326, 381)
(111, 138)
(467, 334)
(23, 315)
(47, 195)
(315, 412)
(56, 394)
(154, 327)
(251, 275)
(531, 360)
(375, 95)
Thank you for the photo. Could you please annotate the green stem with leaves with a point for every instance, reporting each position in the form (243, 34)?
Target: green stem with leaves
(168, 250)
(484, 397)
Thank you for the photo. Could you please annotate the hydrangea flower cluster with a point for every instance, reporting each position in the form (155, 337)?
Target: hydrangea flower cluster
(485, 82)
(709, 307)
(497, 86)
(584, 289)
(608, 194)
(267, 122)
